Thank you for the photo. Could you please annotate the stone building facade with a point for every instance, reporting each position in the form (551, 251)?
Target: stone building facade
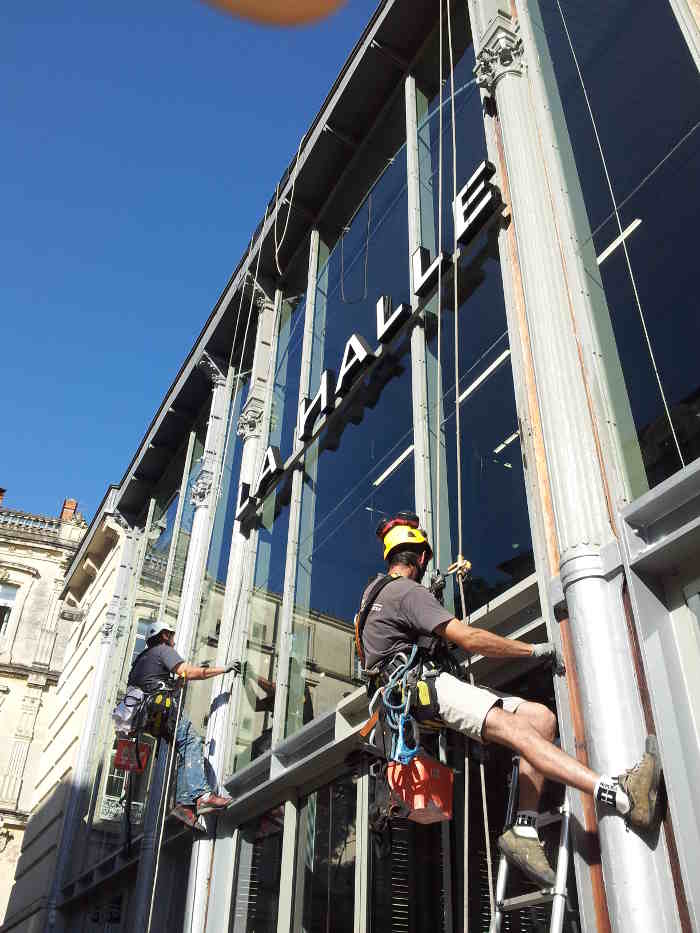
(35, 551)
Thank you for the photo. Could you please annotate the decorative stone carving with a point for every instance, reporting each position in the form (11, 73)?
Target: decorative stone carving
(250, 421)
(501, 53)
(212, 369)
(201, 488)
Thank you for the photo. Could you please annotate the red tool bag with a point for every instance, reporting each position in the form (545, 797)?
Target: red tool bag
(425, 786)
(125, 757)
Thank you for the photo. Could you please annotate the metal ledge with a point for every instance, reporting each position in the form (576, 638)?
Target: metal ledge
(661, 529)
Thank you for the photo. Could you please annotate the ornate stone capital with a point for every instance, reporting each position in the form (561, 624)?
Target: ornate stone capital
(250, 421)
(199, 494)
(213, 369)
(501, 53)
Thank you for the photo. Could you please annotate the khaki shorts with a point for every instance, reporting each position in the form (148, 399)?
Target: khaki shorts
(464, 708)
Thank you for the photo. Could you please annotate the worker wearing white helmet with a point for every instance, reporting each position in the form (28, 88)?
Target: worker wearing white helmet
(159, 664)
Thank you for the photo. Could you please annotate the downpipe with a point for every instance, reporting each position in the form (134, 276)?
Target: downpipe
(635, 869)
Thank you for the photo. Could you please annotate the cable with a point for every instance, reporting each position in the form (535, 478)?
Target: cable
(355, 301)
(644, 180)
(278, 246)
(624, 244)
(161, 809)
(458, 438)
(438, 363)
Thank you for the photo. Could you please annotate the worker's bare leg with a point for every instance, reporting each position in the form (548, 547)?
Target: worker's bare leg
(543, 758)
(532, 781)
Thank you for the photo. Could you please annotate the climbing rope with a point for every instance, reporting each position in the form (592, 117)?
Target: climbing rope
(458, 427)
(162, 807)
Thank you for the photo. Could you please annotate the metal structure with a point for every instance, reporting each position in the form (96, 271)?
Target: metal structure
(613, 576)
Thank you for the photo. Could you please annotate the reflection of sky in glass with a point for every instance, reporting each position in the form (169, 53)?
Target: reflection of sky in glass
(161, 533)
(650, 136)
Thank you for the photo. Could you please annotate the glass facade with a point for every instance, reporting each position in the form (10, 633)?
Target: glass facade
(256, 887)
(325, 892)
(635, 221)
(495, 523)
(310, 556)
(257, 696)
(361, 467)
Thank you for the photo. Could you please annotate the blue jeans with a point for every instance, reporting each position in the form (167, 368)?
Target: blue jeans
(191, 779)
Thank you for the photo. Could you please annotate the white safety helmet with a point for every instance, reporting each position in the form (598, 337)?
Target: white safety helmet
(156, 628)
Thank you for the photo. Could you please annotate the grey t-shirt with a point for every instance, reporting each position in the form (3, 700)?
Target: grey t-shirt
(404, 614)
(153, 667)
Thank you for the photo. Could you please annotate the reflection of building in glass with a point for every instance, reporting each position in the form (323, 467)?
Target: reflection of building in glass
(570, 480)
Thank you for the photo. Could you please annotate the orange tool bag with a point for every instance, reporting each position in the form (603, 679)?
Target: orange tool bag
(425, 787)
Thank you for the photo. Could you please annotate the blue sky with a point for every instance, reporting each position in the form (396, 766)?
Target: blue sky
(140, 144)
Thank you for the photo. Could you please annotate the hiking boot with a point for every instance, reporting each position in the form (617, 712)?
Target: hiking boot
(207, 803)
(641, 784)
(529, 856)
(185, 814)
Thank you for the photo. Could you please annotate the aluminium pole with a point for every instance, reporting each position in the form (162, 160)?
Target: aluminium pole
(188, 618)
(253, 426)
(577, 444)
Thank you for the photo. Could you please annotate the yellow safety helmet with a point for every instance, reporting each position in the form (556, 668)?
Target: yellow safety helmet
(402, 530)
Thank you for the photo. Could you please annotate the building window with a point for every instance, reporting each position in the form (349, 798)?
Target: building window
(640, 265)
(113, 800)
(256, 890)
(326, 860)
(8, 594)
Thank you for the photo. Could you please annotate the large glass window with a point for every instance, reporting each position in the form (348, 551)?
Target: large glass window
(494, 519)
(256, 889)
(640, 264)
(360, 468)
(325, 897)
(257, 696)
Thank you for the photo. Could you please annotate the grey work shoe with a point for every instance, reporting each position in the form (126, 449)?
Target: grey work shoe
(641, 784)
(529, 856)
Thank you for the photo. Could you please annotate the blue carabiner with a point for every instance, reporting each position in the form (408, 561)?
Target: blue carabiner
(402, 752)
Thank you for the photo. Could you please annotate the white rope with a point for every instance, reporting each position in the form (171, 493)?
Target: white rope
(624, 244)
(438, 363)
(278, 246)
(458, 444)
(162, 808)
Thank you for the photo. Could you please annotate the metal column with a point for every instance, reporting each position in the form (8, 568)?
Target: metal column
(253, 425)
(577, 446)
(188, 618)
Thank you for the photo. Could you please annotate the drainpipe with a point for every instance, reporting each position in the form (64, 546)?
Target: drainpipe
(638, 881)
(188, 618)
(252, 426)
(82, 773)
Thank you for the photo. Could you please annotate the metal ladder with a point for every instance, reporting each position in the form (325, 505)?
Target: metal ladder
(555, 896)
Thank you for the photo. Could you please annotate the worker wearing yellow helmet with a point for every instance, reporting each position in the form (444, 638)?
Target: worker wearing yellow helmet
(398, 613)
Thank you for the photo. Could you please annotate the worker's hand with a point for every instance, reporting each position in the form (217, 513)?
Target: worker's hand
(461, 567)
(234, 668)
(548, 651)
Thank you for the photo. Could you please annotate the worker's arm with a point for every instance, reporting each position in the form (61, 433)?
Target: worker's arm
(478, 641)
(192, 672)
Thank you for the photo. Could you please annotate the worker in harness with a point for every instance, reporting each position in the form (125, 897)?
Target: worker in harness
(398, 613)
(159, 666)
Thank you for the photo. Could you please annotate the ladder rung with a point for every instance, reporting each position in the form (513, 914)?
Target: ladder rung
(533, 899)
